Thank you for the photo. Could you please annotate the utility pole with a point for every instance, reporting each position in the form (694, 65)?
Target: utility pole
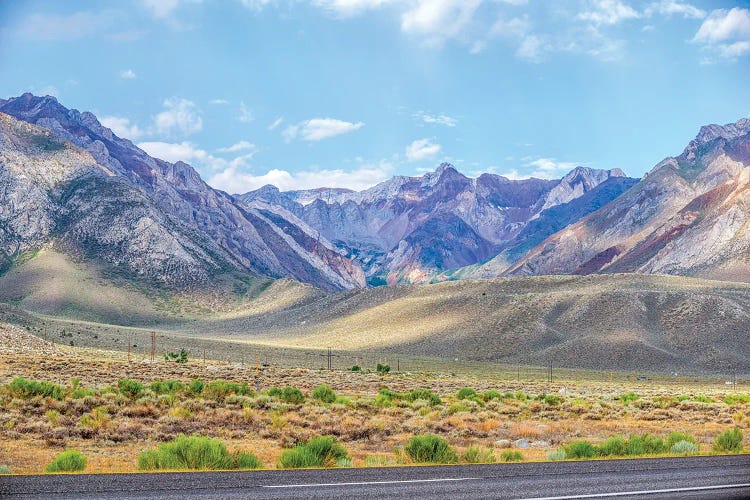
(130, 342)
(153, 347)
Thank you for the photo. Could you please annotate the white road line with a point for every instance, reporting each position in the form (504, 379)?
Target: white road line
(365, 483)
(644, 492)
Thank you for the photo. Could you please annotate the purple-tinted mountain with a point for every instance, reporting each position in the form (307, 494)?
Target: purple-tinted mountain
(417, 229)
(689, 216)
(127, 192)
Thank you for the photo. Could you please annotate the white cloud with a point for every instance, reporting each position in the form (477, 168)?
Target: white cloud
(441, 119)
(238, 146)
(180, 117)
(256, 5)
(608, 12)
(422, 149)
(64, 26)
(726, 32)
(348, 8)
(218, 101)
(160, 8)
(127, 74)
(189, 153)
(276, 123)
(675, 8)
(318, 129)
(530, 49)
(234, 180)
(47, 90)
(122, 127)
(548, 168)
(246, 114)
(438, 20)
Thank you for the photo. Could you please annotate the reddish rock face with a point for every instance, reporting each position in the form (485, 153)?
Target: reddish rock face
(689, 216)
(414, 229)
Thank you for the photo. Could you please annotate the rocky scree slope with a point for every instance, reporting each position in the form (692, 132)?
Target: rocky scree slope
(689, 216)
(416, 229)
(234, 237)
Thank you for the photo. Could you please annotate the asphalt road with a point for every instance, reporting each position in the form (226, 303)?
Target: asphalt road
(690, 477)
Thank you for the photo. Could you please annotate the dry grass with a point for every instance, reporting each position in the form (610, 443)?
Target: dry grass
(29, 438)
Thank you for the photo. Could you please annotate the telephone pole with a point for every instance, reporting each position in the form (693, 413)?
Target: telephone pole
(153, 346)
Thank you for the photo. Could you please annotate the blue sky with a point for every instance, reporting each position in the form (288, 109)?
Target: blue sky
(306, 93)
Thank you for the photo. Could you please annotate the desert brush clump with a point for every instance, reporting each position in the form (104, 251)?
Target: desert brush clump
(430, 449)
(466, 392)
(323, 393)
(729, 441)
(511, 456)
(684, 448)
(478, 455)
(130, 388)
(580, 449)
(628, 397)
(322, 451)
(195, 453)
(67, 461)
(220, 389)
(25, 388)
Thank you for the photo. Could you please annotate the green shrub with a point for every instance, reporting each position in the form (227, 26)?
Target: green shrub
(68, 461)
(702, 398)
(321, 451)
(4, 469)
(220, 389)
(356, 368)
(733, 399)
(644, 445)
(166, 386)
(556, 455)
(675, 437)
(613, 447)
(195, 453)
(552, 399)
(424, 394)
(729, 441)
(684, 448)
(324, 393)
(518, 395)
(129, 388)
(429, 448)
(491, 394)
(178, 357)
(382, 369)
(511, 456)
(466, 392)
(274, 392)
(628, 398)
(580, 449)
(196, 386)
(292, 395)
(25, 388)
(478, 455)
(248, 461)
(80, 393)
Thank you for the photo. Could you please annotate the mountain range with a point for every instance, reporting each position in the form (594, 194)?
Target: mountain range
(70, 184)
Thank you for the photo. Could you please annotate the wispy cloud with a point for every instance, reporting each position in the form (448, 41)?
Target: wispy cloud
(245, 114)
(219, 102)
(236, 180)
(546, 168)
(608, 12)
(127, 74)
(239, 146)
(439, 119)
(122, 127)
(180, 117)
(318, 129)
(422, 149)
(276, 123)
(190, 153)
(675, 8)
(725, 33)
